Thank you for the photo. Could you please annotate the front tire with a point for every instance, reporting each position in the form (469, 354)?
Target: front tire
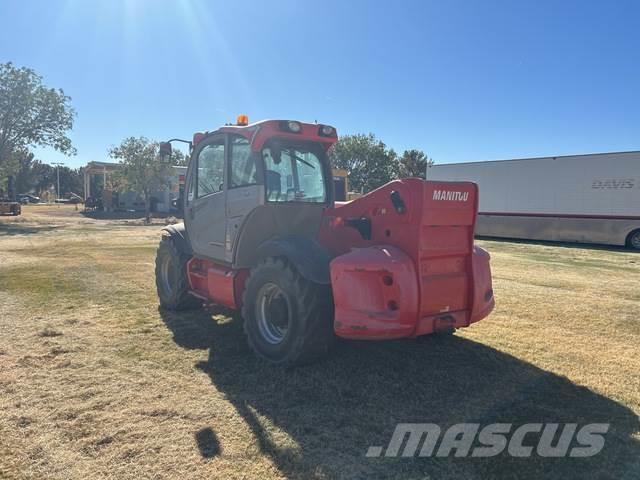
(287, 319)
(171, 277)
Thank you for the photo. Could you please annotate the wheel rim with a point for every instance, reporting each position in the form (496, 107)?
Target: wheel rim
(273, 313)
(166, 269)
(635, 241)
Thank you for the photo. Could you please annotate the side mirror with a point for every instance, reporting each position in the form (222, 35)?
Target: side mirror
(165, 151)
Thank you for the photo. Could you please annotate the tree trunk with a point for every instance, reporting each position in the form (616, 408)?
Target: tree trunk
(147, 209)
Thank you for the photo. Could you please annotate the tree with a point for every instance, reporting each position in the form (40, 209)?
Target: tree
(33, 176)
(23, 167)
(367, 160)
(71, 180)
(178, 158)
(141, 169)
(31, 113)
(12, 165)
(413, 163)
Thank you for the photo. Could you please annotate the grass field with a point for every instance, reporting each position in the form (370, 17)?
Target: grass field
(97, 382)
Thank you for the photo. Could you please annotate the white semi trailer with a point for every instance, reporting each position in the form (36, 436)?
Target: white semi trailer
(580, 198)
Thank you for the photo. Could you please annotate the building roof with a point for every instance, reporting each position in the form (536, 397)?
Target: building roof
(100, 167)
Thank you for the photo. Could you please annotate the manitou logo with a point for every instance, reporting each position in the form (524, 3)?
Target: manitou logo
(450, 196)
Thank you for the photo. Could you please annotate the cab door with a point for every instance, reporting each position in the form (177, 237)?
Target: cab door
(244, 188)
(204, 212)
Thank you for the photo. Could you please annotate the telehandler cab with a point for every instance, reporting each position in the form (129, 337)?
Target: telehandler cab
(263, 234)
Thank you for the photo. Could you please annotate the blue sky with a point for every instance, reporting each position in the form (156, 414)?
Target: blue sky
(462, 80)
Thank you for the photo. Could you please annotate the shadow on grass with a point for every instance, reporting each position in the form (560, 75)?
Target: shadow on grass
(207, 442)
(335, 409)
(9, 229)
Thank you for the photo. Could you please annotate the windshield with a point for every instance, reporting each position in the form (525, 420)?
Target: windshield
(294, 173)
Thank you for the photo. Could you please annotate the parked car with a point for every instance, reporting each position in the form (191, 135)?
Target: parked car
(72, 199)
(25, 198)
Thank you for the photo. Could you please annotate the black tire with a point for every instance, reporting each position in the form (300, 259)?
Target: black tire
(447, 332)
(440, 334)
(307, 306)
(633, 240)
(171, 277)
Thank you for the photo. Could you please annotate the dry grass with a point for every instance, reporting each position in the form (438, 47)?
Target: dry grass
(96, 382)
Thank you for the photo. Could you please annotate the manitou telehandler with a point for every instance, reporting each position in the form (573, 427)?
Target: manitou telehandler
(263, 234)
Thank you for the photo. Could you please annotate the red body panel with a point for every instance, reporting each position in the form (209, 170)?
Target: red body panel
(433, 238)
(258, 133)
(217, 283)
(378, 293)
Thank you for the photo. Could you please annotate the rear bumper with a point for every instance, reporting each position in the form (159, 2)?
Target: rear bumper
(377, 296)
(482, 302)
(461, 319)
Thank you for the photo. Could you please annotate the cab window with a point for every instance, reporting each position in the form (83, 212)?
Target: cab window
(242, 167)
(294, 173)
(210, 169)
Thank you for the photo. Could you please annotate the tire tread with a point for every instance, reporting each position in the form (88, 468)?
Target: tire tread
(313, 304)
(181, 299)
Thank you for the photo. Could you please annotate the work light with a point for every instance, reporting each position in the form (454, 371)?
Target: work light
(294, 127)
(290, 126)
(326, 131)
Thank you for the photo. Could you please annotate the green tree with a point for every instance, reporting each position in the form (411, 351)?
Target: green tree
(33, 176)
(141, 169)
(367, 160)
(71, 180)
(413, 163)
(40, 177)
(24, 170)
(13, 164)
(31, 113)
(178, 158)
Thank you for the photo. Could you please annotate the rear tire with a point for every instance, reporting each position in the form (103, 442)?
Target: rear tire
(171, 277)
(288, 319)
(633, 241)
(447, 332)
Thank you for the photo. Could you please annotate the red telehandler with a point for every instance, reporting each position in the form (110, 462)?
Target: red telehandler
(263, 234)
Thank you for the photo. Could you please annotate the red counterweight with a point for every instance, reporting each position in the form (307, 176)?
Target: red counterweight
(405, 263)
(375, 293)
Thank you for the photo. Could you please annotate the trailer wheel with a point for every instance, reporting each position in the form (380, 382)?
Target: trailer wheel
(633, 240)
(287, 318)
(171, 277)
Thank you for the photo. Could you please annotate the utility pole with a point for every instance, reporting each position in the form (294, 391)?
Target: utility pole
(58, 165)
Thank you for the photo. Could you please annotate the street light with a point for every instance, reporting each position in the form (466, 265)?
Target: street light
(58, 165)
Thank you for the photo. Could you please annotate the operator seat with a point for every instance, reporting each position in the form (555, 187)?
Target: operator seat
(273, 184)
